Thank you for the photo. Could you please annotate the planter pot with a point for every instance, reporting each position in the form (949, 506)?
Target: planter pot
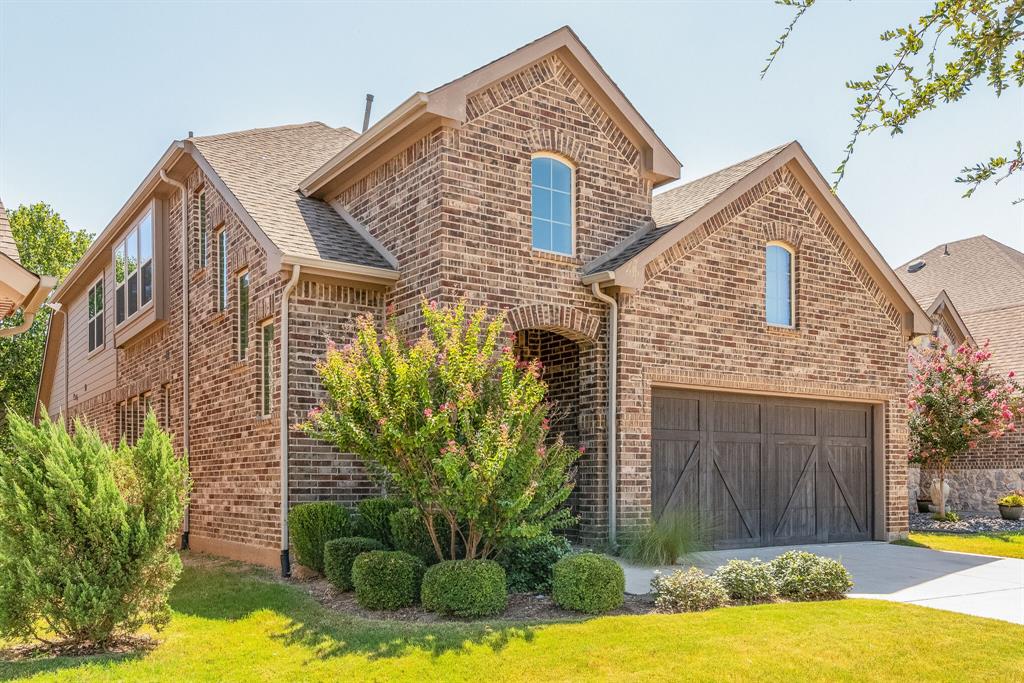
(1011, 512)
(924, 505)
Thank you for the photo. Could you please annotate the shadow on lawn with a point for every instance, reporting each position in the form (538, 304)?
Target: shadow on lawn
(233, 592)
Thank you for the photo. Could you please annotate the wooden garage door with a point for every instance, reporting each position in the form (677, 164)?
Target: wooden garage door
(762, 470)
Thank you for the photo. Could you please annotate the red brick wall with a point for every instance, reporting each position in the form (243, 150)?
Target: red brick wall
(700, 320)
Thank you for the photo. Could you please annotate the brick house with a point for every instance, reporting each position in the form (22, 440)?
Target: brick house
(741, 332)
(974, 291)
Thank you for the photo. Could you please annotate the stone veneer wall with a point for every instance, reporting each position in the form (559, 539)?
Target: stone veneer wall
(977, 480)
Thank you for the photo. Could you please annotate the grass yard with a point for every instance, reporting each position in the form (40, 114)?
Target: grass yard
(236, 623)
(1000, 544)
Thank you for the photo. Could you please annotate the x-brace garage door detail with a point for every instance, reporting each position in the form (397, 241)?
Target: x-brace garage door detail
(763, 470)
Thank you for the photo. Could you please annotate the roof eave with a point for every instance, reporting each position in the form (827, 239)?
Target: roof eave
(339, 269)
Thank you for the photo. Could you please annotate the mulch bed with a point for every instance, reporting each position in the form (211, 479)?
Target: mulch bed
(968, 524)
(522, 607)
(121, 646)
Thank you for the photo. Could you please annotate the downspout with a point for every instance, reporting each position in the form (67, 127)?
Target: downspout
(18, 329)
(286, 568)
(186, 406)
(613, 357)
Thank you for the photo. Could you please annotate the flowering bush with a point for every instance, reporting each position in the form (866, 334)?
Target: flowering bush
(1012, 500)
(805, 576)
(958, 401)
(457, 424)
(689, 590)
(748, 581)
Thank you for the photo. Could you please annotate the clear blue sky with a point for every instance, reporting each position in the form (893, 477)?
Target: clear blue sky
(91, 94)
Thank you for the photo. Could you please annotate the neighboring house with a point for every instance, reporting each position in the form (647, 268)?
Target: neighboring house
(19, 287)
(974, 290)
(755, 339)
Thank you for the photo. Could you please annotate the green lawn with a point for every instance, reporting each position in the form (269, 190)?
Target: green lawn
(235, 623)
(1003, 545)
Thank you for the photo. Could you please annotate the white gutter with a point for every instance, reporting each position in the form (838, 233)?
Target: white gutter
(31, 306)
(186, 406)
(613, 469)
(286, 569)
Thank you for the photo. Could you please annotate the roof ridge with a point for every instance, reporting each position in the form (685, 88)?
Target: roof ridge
(980, 235)
(770, 151)
(254, 131)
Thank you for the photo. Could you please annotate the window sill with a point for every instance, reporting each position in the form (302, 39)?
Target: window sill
(785, 330)
(198, 274)
(555, 257)
(97, 351)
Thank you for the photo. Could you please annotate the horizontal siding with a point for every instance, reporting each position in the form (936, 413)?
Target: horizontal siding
(92, 375)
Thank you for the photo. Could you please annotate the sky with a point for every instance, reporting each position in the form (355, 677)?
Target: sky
(91, 94)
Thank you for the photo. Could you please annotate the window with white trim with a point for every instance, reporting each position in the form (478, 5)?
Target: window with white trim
(243, 315)
(779, 284)
(222, 269)
(133, 269)
(552, 181)
(267, 358)
(201, 226)
(95, 321)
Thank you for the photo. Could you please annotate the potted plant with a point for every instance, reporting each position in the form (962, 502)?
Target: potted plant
(1012, 506)
(924, 505)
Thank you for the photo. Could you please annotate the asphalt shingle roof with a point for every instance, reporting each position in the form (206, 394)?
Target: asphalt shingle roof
(263, 167)
(7, 245)
(985, 280)
(673, 206)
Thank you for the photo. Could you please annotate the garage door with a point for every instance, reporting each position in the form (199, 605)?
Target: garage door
(762, 470)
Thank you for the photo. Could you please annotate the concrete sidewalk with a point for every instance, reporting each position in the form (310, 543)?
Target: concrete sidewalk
(984, 586)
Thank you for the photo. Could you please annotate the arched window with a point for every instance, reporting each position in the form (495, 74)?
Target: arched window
(552, 204)
(778, 292)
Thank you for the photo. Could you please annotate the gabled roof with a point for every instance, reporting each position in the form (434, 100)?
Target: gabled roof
(262, 167)
(943, 306)
(19, 287)
(985, 280)
(687, 207)
(447, 105)
(673, 206)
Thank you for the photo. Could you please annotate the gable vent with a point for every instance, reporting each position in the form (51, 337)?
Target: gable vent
(915, 266)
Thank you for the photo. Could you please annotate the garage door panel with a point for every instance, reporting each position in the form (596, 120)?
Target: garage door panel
(792, 495)
(763, 470)
(735, 492)
(846, 496)
(675, 476)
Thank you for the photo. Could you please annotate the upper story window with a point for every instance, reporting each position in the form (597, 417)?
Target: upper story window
(222, 269)
(96, 315)
(779, 283)
(133, 269)
(243, 315)
(552, 192)
(267, 358)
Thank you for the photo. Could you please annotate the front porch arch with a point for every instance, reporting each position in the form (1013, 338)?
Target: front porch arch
(568, 321)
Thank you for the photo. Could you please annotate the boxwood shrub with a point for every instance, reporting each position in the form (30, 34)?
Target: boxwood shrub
(806, 576)
(528, 563)
(373, 518)
(588, 583)
(339, 555)
(312, 525)
(465, 588)
(687, 590)
(387, 579)
(748, 581)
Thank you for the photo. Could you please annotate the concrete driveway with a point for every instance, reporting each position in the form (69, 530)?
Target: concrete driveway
(972, 584)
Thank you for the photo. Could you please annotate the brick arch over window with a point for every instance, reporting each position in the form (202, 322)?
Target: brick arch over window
(568, 321)
(777, 231)
(559, 141)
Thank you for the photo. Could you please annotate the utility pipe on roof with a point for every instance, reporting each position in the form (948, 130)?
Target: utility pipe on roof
(613, 356)
(286, 568)
(186, 406)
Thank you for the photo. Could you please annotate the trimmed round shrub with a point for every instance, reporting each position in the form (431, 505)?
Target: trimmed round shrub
(387, 579)
(588, 583)
(373, 519)
(465, 588)
(339, 555)
(748, 581)
(311, 526)
(687, 590)
(806, 576)
(528, 563)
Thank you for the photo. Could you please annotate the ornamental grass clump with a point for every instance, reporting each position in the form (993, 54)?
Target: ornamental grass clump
(457, 425)
(87, 532)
